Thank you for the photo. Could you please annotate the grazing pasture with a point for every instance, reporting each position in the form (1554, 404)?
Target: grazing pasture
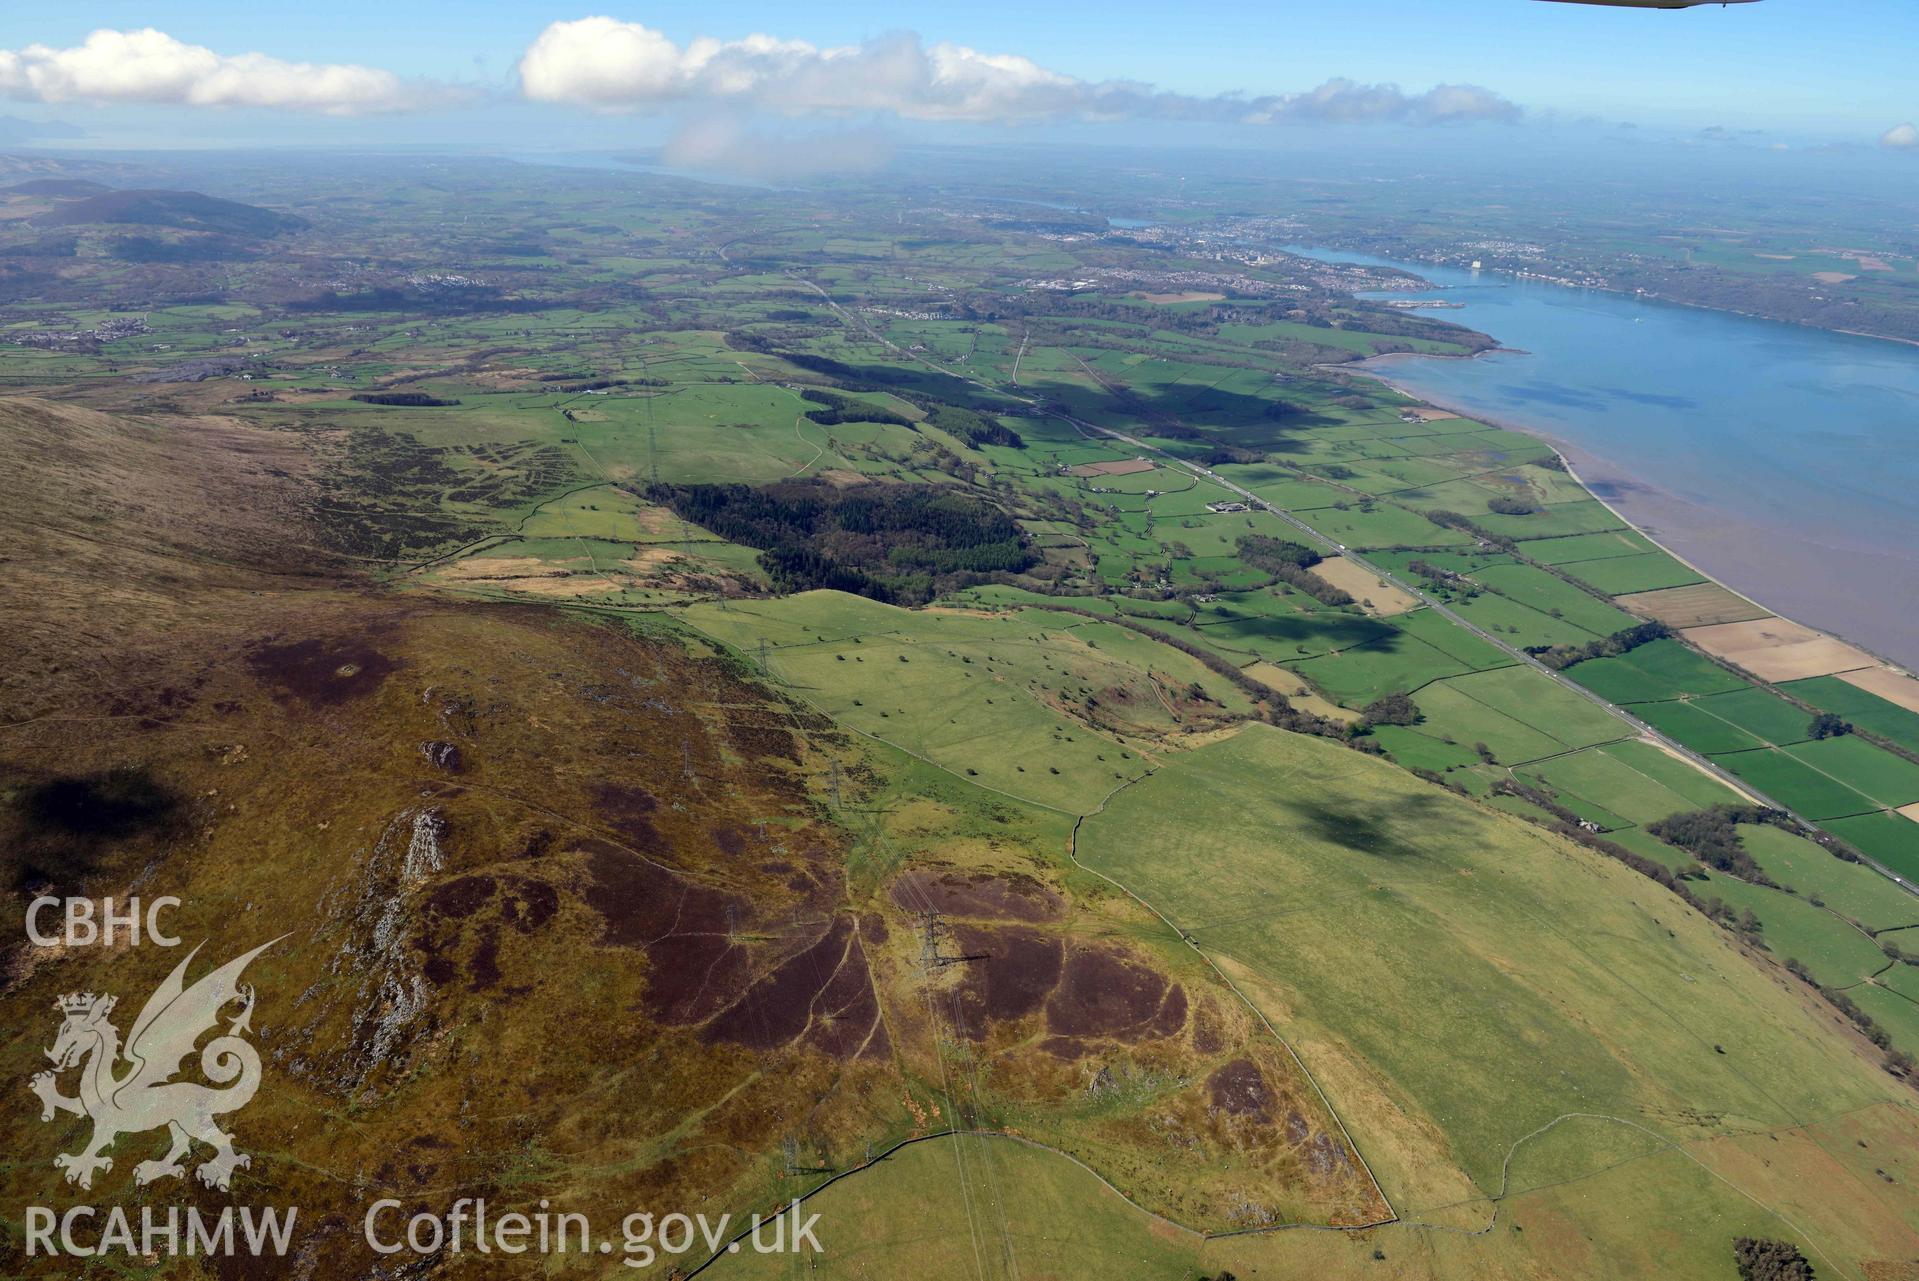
(1376, 920)
(1862, 707)
(1798, 785)
(1629, 575)
(1854, 892)
(1892, 839)
(1034, 704)
(1633, 781)
(1653, 673)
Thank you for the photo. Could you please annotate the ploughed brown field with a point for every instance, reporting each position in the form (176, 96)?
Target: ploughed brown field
(1695, 605)
(1778, 649)
(1894, 687)
(1364, 586)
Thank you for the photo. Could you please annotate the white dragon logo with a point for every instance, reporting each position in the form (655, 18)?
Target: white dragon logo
(145, 1097)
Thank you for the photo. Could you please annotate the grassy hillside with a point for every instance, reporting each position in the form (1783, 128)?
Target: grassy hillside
(1554, 1067)
(1459, 979)
(1046, 708)
(572, 907)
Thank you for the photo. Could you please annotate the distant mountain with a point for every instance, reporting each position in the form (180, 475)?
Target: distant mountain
(184, 210)
(14, 129)
(55, 187)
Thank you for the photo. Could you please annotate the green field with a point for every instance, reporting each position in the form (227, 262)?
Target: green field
(1891, 780)
(1585, 516)
(1575, 549)
(1519, 713)
(1383, 527)
(998, 1210)
(1424, 747)
(977, 1207)
(1868, 711)
(1377, 919)
(1628, 574)
(1633, 781)
(1541, 591)
(1797, 785)
(1854, 892)
(1398, 655)
(1765, 716)
(1837, 954)
(1689, 722)
(1653, 673)
(1892, 839)
(1516, 622)
(984, 697)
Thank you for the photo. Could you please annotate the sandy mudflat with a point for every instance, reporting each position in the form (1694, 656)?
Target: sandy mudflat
(1860, 590)
(1864, 595)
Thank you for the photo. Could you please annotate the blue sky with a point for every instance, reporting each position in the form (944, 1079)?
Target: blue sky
(1802, 70)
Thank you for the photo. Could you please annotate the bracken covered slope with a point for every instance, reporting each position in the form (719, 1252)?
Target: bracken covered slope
(560, 908)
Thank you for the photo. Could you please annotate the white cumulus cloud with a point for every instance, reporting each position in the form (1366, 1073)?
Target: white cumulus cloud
(149, 66)
(608, 64)
(1345, 101)
(602, 62)
(1902, 137)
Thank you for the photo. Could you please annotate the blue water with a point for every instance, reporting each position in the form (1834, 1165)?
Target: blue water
(1781, 459)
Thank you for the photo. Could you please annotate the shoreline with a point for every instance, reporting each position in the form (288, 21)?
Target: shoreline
(1620, 293)
(1572, 456)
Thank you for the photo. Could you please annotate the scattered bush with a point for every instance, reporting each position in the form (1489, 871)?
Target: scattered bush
(1763, 1260)
(1826, 725)
(1290, 563)
(405, 399)
(1393, 709)
(835, 409)
(1712, 837)
(1560, 657)
(1506, 506)
(902, 543)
